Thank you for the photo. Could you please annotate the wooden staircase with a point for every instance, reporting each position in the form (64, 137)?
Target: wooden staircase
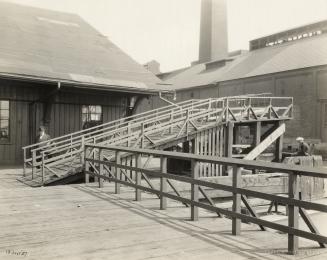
(62, 158)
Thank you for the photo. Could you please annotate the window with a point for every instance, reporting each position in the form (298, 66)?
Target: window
(91, 116)
(4, 120)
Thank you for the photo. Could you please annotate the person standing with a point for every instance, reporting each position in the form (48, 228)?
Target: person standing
(42, 138)
(304, 149)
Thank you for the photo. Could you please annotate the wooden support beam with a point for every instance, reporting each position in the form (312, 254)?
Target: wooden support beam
(163, 182)
(148, 182)
(256, 138)
(308, 221)
(306, 218)
(117, 172)
(229, 146)
(252, 212)
(146, 164)
(194, 190)
(279, 147)
(87, 169)
(94, 157)
(236, 222)
(221, 147)
(138, 176)
(101, 172)
(266, 143)
(293, 213)
(257, 133)
(207, 197)
(176, 191)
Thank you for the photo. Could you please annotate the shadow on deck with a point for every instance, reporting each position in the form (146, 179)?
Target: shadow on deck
(85, 222)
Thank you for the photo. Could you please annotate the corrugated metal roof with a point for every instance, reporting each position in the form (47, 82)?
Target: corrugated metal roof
(48, 44)
(309, 52)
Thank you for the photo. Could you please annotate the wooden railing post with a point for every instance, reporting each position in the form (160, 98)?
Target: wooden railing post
(138, 164)
(194, 190)
(101, 172)
(256, 139)
(83, 150)
(171, 121)
(24, 155)
(96, 179)
(209, 108)
(128, 133)
(117, 172)
(248, 106)
(236, 222)
(42, 169)
(71, 146)
(163, 182)
(229, 146)
(142, 135)
(86, 167)
(293, 213)
(33, 163)
(227, 110)
(187, 120)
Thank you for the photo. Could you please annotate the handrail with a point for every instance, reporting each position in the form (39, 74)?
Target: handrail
(114, 126)
(151, 112)
(70, 145)
(188, 110)
(75, 143)
(111, 122)
(103, 171)
(319, 172)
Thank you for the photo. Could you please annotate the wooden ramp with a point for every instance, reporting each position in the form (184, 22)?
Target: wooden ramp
(208, 121)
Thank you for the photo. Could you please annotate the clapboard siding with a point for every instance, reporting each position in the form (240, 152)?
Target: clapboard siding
(27, 107)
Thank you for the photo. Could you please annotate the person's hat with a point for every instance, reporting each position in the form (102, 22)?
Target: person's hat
(300, 139)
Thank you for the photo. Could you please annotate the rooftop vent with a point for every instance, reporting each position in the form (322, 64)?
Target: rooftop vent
(217, 64)
(294, 34)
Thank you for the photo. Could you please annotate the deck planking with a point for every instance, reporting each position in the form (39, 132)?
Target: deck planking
(84, 222)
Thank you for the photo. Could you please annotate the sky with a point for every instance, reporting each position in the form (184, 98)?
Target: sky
(168, 30)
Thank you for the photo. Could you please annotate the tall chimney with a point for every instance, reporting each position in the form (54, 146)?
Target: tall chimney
(213, 31)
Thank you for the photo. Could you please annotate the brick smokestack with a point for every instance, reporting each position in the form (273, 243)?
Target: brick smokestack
(213, 31)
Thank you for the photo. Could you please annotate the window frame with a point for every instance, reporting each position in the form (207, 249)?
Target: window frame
(7, 140)
(89, 113)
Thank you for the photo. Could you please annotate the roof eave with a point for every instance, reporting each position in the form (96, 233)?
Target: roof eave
(84, 85)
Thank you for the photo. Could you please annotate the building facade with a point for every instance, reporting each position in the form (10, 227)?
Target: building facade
(292, 63)
(59, 72)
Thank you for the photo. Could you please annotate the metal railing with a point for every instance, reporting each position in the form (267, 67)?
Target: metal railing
(119, 173)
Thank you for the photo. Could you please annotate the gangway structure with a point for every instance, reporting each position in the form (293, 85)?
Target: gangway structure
(210, 127)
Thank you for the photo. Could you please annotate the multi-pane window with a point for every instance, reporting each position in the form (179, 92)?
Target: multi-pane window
(4, 120)
(91, 116)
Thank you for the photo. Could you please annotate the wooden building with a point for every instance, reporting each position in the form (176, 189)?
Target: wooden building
(58, 71)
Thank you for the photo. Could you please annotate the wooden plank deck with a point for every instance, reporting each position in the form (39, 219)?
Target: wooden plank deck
(85, 222)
